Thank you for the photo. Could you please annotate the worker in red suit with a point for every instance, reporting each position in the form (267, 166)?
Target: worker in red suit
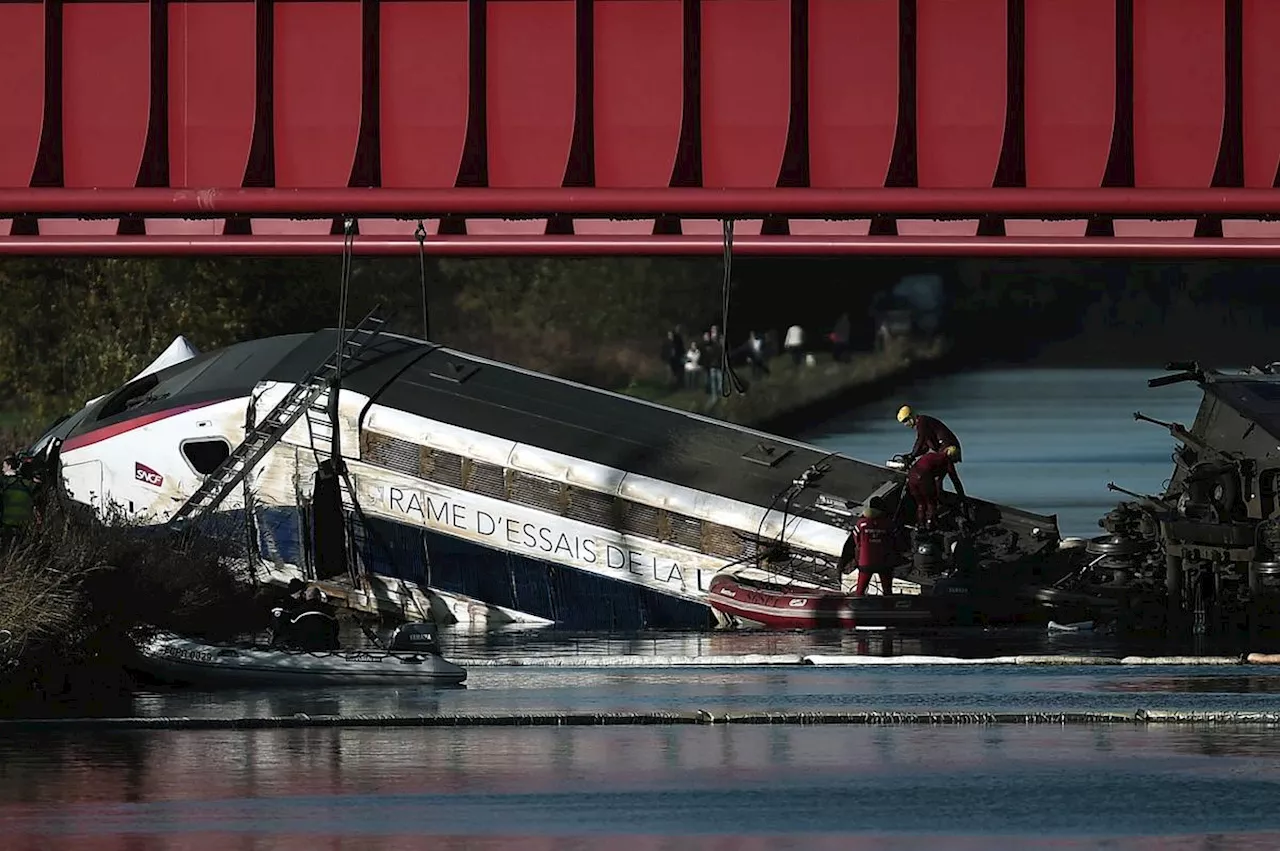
(932, 435)
(874, 544)
(924, 483)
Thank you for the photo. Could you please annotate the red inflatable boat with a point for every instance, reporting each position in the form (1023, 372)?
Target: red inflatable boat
(793, 607)
(949, 602)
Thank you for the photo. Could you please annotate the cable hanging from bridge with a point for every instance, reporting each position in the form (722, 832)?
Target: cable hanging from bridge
(726, 363)
(344, 292)
(421, 235)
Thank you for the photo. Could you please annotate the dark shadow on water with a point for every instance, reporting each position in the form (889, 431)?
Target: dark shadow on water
(1200, 684)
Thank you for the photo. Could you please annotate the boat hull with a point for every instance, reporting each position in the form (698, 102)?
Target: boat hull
(183, 661)
(791, 607)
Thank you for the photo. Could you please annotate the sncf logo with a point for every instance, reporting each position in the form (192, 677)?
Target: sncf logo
(145, 474)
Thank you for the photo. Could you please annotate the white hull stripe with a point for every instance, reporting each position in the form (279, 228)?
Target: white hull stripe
(537, 534)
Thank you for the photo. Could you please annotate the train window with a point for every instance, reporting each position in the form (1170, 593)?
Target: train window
(129, 396)
(205, 456)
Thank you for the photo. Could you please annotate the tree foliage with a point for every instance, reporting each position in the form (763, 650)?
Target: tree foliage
(73, 329)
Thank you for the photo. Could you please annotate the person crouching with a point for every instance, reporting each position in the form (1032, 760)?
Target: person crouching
(924, 483)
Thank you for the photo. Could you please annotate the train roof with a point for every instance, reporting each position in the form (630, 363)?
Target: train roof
(466, 391)
(1255, 396)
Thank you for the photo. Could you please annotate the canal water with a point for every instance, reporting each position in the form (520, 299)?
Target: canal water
(1047, 440)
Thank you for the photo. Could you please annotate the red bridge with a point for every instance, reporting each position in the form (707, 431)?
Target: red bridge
(637, 126)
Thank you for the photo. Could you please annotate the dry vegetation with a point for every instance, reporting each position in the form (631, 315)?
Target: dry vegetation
(73, 590)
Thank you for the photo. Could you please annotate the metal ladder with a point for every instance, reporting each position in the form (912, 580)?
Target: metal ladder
(320, 438)
(260, 439)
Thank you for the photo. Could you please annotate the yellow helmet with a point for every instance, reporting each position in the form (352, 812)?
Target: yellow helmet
(951, 451)
(904, 413)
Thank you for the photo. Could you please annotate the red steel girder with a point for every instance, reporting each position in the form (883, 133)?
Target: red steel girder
(633, 245)
(640, 203)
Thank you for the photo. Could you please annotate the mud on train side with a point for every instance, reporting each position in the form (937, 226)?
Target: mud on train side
(477, 489)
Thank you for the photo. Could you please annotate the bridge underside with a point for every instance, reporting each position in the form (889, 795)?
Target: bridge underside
(1098, 222)
(1099, 127)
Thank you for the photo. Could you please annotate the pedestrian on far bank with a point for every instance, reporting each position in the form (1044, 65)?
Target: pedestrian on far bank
(713, 356)
(673, 356)
(840, 339)
(692, 366)
(794, 343)
(754, 352)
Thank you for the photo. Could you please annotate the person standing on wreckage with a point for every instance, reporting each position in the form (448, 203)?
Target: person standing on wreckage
(932, 435)
(875, 543)
(924, 483)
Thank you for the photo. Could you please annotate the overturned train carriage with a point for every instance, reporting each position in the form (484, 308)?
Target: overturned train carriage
(475, 488)
(1204, 555)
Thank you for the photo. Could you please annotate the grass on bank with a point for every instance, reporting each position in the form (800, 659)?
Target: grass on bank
(73, 589)
(787, 386)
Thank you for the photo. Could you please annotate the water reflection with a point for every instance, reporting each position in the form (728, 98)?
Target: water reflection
(798, 689)
(637, 788)
(214, 841)
(1200, 684)
(531, 645)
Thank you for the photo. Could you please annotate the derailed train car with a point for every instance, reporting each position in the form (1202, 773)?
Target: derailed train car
(1204, 555)
(412, 477)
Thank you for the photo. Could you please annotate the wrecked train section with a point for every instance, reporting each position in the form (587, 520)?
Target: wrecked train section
(1204, 554)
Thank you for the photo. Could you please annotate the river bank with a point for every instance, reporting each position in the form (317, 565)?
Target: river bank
(792, 397)
(74, 592)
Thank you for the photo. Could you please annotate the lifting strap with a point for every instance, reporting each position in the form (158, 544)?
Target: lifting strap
(421, 235)
(734, 383)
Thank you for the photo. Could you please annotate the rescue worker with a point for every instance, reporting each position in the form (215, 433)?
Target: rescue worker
(924, 483)
(304, 620)
(874, 544)
(932, 435)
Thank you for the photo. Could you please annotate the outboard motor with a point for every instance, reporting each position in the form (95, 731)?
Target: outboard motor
(420, 637)
(927, 554)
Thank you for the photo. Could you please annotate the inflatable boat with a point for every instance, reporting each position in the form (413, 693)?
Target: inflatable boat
(947, 603)
(412, 659)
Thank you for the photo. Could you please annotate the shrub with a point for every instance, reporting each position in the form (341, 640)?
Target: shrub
(76, 590)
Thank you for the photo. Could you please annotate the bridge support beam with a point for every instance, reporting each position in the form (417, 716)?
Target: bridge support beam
(633, 245)
(641, 203)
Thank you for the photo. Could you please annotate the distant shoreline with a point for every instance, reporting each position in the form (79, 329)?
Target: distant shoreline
(795, 398)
